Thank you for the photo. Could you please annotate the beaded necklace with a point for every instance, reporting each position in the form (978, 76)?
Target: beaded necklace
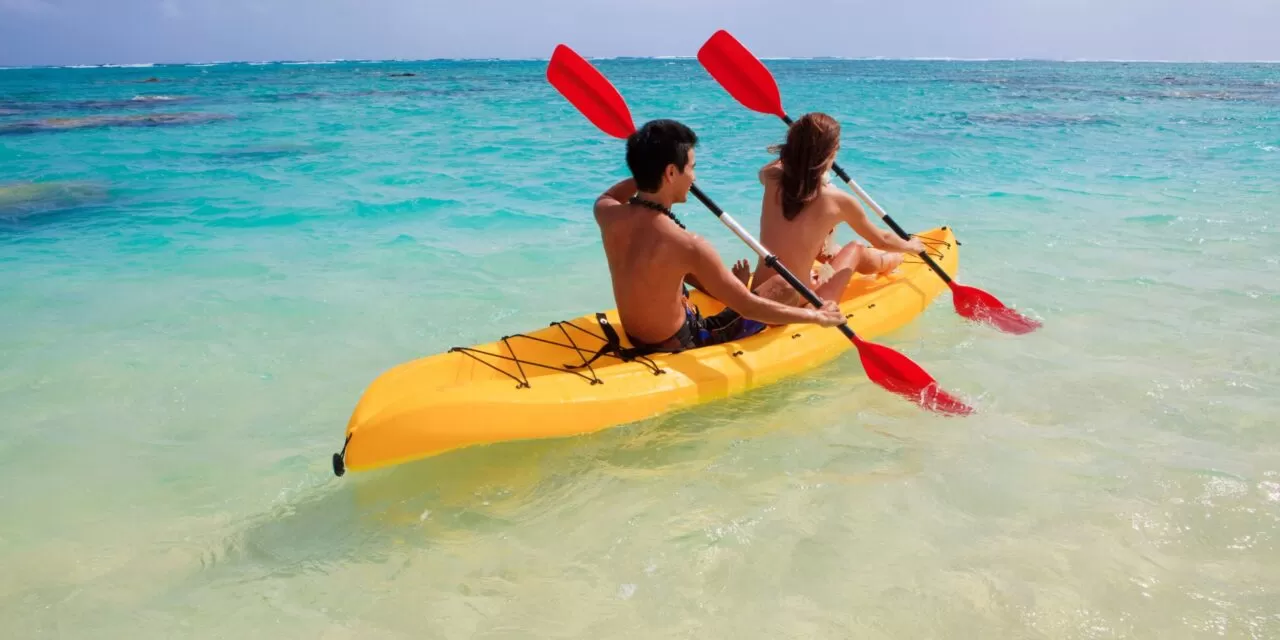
(641, 202)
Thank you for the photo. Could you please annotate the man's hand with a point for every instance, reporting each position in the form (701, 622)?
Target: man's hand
(829, 315)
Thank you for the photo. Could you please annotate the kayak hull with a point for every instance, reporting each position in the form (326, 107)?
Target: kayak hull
(520, 388)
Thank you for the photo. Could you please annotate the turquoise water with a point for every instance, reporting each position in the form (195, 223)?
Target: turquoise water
(202, 273)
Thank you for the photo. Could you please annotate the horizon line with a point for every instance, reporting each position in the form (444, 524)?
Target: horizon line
(305, 62)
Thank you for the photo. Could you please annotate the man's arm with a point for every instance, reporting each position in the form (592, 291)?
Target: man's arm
(853, 214)
(616, 195)
(718, 281)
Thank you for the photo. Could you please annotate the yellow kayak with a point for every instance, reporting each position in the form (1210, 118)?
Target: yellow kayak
(545, 384)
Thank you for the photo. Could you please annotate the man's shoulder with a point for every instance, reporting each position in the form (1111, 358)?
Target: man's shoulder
(693, 248)
(666, 242)
(607, 210)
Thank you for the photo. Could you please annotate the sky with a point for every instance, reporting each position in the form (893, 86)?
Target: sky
(64, 32)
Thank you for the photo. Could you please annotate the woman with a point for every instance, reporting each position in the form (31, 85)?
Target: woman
(801, 209)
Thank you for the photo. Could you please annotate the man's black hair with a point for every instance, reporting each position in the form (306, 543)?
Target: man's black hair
(654, 146)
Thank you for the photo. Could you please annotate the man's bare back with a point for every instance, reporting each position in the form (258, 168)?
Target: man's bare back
(648, 258)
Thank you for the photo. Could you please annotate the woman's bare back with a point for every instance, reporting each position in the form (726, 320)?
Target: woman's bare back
(797, 242)
(800, 241)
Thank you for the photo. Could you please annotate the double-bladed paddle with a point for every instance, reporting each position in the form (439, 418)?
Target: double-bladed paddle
(746, 78)
(596, 98)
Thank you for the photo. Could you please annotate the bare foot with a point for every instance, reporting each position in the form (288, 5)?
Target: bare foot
(874, 262)
(742, 271)
(890, 262)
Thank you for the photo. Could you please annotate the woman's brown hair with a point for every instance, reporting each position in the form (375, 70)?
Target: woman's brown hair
(811, 141)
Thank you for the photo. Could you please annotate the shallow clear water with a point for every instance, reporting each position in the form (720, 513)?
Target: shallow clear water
(193, 304)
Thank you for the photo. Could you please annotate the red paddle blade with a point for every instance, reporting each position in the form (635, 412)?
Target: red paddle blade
(899, 374)
(741, 73)
(587, 89)
(978, 305)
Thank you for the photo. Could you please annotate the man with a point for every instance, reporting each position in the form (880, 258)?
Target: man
(650, 254)
(801, 209)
